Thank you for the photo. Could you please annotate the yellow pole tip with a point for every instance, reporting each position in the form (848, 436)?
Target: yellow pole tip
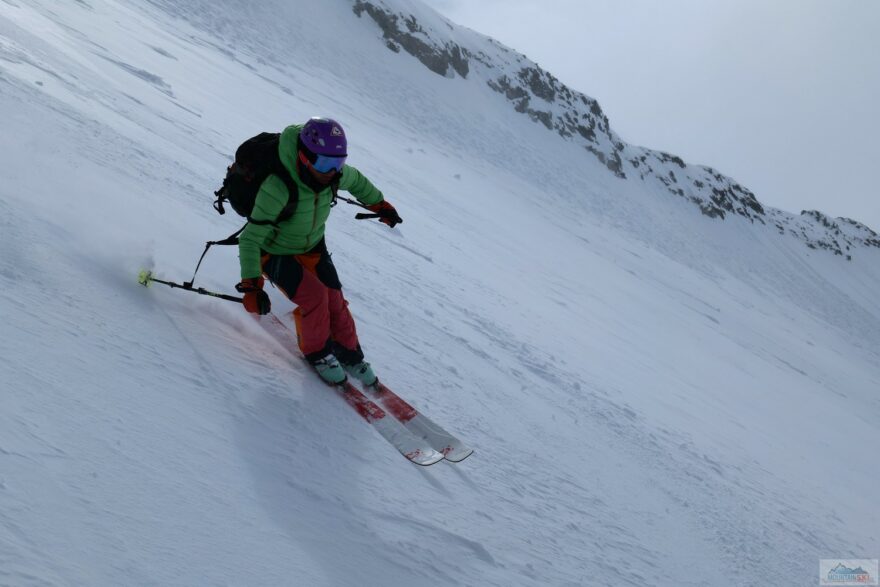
(144, 277)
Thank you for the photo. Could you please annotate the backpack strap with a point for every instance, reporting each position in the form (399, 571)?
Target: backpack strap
(232, 239)
(334, 187)
(292, 194)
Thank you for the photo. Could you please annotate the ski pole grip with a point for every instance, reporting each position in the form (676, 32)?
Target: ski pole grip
(367, 216)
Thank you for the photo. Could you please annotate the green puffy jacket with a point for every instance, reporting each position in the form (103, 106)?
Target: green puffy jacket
(302, 231)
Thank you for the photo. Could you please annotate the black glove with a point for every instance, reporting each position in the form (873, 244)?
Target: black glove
(387, 213)
(256, 301)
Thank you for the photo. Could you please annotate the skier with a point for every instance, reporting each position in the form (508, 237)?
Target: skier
(293, 255)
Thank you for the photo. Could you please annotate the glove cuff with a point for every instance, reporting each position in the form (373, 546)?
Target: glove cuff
(379, 206)
(250, 284)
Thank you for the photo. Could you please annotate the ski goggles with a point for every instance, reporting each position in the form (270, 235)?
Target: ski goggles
(326, 164)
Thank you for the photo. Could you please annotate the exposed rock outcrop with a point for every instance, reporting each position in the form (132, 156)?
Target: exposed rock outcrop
(576, 117)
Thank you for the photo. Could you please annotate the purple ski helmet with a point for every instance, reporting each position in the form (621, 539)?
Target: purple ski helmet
(324, 136)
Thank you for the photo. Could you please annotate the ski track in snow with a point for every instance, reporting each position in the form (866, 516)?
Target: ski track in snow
(654, 398)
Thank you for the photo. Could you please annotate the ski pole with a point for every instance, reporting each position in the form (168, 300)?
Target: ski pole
(352, 202)
(145, 278)
(359, 216)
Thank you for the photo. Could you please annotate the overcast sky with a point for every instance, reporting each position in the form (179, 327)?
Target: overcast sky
(782, 95)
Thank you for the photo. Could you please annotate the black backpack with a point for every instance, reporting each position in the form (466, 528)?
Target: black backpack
(256, 159)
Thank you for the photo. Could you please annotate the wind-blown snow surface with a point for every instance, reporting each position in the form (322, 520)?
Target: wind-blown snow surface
(656, 398)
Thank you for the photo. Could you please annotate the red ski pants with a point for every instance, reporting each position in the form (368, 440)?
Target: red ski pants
(324, 323)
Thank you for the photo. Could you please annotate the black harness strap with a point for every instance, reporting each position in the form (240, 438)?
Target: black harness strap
(232, 239)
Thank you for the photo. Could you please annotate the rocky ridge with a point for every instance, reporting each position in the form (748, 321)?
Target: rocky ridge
(536, 93)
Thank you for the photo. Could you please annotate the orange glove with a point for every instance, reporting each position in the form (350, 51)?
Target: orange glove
(256, 301)
(387, 213)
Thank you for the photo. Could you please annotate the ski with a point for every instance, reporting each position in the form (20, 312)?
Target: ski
(415, 446)
(419, 425)
(417, 450)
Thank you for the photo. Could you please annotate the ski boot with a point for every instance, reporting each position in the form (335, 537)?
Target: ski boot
(362, 372)
(329, 369)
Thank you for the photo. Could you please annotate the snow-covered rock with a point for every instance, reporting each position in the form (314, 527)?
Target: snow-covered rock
(574, 116)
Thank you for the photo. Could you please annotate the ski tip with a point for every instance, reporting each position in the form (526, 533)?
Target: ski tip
(145, 277)
(457, 456)
(424, 458)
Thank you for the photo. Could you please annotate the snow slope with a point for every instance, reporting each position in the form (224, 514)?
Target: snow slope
(657, 397)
